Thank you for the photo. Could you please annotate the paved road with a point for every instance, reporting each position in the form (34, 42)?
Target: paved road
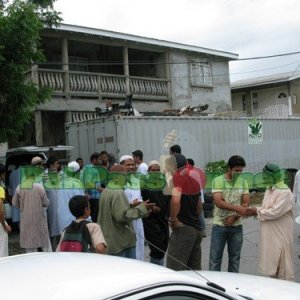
(249, 257)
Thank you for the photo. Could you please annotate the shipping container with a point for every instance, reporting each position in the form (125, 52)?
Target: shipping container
(204, 139)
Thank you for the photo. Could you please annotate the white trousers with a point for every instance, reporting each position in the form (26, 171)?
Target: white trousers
(45, 249)
(139, 230)
(3, 242)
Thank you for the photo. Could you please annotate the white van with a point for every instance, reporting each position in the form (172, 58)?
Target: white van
(23, 155)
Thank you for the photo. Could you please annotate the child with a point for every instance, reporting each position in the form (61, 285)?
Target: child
(4, 228)
(81, 235)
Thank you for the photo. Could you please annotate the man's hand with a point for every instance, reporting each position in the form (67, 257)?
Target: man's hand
(149, 205)
(100, 248)
(156, 209)
(251, 211)
(242, 211)
(174, 223)
(230, 220)
(7, 228)
(136, 202)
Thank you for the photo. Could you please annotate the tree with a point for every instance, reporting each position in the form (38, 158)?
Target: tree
(20, 25)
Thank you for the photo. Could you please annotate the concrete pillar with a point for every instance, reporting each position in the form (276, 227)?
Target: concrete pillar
(290, 103)
(168, 76)
(35, 75)
(34, 72)
(126, 70)
(68, 117)
(38, 128)
(65, 62)
(99, 88)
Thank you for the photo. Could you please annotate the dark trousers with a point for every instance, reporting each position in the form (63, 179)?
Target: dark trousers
(94, 205)
(185, 247)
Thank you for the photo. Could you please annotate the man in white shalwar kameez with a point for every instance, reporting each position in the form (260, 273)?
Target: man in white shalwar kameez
(276, 233)
(134, 197)
(71, 186)
(32, 200)
(296, 191)
(59, 193)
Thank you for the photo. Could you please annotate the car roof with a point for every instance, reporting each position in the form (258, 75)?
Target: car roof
(23, 155)
(39, 149)
(66, 275)
(256, 287)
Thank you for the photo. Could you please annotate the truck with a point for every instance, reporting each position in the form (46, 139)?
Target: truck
(202, 138)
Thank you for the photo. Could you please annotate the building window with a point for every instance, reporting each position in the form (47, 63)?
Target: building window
(254, 100)
(244, 103)
(200, 73)
(282, 95)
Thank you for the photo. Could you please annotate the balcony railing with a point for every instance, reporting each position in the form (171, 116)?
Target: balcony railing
(101, 85)
(273, 111)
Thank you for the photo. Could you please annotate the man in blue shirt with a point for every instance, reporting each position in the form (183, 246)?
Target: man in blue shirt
(92, 176)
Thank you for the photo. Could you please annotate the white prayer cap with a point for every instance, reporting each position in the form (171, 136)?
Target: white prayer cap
(73, 166)
(125, 157)
(36, 160)
(153, 162)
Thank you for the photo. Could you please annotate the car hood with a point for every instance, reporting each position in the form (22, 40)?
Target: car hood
(76, 276)
(255, 287)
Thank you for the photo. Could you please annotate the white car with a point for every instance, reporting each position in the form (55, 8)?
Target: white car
(86, 276)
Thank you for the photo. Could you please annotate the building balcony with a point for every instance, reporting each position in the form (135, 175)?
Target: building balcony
(75, 84)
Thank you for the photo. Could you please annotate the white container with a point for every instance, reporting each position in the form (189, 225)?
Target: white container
(203, 139)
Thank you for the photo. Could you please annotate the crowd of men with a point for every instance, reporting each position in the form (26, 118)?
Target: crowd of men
(110, 205)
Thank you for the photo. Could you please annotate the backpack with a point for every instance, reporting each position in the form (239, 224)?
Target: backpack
(76, 238)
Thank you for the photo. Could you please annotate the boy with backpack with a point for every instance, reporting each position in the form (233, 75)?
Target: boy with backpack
(81, 235)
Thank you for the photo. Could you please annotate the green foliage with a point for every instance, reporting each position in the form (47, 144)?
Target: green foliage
(219, 166)
(43, 3)
(20, 26)
(213, 169)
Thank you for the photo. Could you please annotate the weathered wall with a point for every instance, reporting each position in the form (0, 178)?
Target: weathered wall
(218, 96)
(237, 101)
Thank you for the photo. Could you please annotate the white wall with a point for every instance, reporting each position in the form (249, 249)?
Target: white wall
(268, 97)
